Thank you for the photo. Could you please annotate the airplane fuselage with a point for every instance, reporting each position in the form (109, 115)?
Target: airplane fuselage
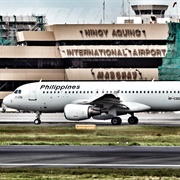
(53, 96)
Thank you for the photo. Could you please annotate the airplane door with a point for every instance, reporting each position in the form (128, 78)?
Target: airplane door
(32, 93)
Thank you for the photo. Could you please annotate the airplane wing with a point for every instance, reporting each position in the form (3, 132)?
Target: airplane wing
(110, 101)
(105, 99)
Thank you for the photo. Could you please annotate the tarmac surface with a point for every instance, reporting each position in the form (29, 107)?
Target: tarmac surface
(89, 156)
(169, 118)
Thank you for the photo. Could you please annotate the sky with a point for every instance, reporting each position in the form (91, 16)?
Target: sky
(78, 11)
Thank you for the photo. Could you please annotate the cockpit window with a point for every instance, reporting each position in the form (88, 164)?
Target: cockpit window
(17, 91)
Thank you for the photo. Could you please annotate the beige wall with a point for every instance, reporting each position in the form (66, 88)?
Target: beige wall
(94, 74)
(31, 74)
(112, 51)
(72, 74)
(81, 51)
(109, 31)
(29, 52)
(96, 32)
(35, 36)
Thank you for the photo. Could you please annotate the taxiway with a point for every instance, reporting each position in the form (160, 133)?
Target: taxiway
(90, 156)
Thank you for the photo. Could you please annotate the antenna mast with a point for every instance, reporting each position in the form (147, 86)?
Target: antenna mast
(103, 12)
(122, 6)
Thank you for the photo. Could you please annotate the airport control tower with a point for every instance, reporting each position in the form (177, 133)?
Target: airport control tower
(148, 10)
(146, 14)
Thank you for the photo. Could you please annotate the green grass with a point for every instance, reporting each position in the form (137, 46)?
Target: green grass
(103, 135)
(84, 173)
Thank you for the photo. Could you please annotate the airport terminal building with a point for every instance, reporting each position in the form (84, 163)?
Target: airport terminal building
(121, 51)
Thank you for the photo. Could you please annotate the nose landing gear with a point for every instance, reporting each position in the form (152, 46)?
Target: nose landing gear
(37, 121)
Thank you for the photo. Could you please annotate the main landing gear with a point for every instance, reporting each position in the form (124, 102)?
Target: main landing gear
(37, 121)
(131, 120)
(116, 121)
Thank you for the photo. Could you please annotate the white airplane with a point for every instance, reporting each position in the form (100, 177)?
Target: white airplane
(99, 100)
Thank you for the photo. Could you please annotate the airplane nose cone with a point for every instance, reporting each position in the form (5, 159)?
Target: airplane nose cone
(7, 101)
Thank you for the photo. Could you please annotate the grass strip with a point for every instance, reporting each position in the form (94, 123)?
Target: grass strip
(87, 173)
(103, 135)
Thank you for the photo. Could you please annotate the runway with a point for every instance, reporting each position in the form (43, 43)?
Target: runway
(170, 119)
(90, 156)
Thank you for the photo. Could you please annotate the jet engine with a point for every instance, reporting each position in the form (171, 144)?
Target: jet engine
(80, 112)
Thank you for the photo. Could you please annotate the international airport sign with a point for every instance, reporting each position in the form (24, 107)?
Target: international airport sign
(112, 51)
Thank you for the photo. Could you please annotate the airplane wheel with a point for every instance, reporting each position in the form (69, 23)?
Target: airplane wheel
(37, 121)
(116, 121)
(133, 120)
